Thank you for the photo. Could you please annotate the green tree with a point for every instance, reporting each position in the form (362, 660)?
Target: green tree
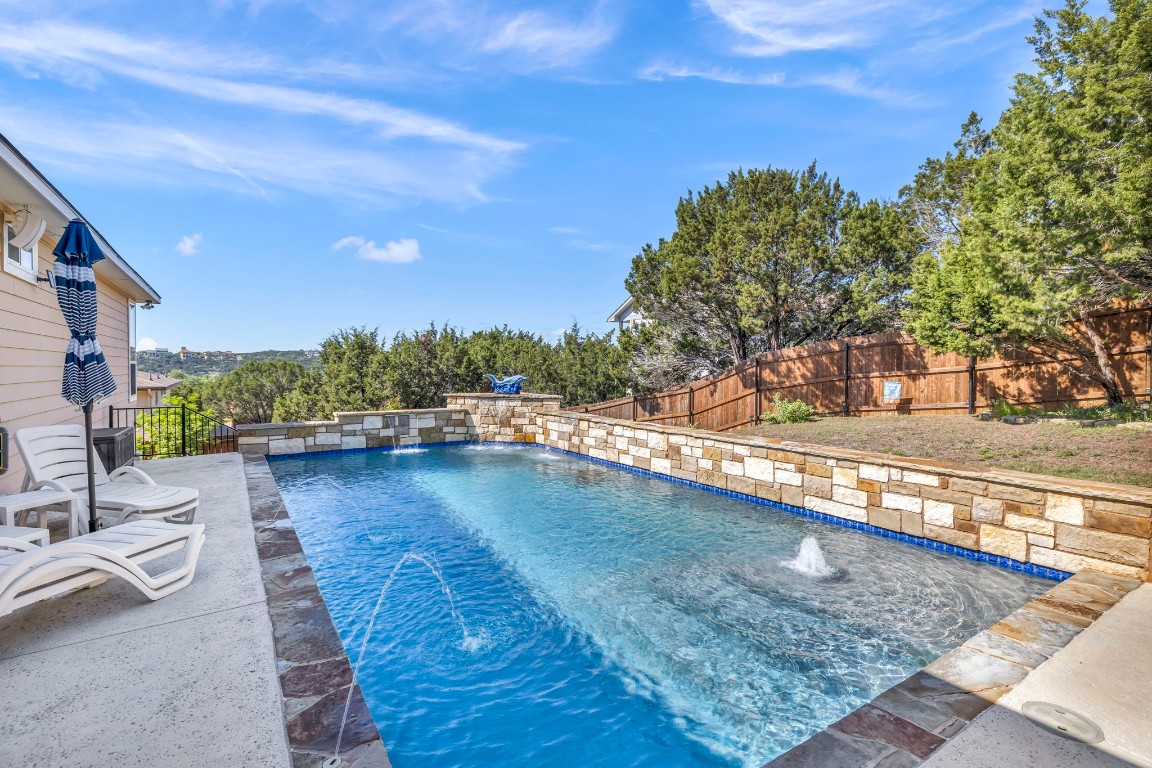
(937, 199)
(766, 260)
(425, 365)
(504, 352)
(590, 368)
(353, 362)
(304, 402)
(180, 429)
(248, 394)
(350, 377)
(1058, 203)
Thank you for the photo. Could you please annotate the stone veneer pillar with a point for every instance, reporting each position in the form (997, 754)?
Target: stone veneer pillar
(505, 418)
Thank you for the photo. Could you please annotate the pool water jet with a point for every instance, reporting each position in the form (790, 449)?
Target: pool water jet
(810, 560)
(470, 644)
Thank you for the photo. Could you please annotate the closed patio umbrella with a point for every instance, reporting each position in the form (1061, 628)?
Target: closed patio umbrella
(86, 376)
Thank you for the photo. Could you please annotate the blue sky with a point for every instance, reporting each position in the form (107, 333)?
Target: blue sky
(279, 169)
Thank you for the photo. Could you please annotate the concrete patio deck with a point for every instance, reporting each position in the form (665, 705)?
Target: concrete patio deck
(103, 677)
(1104, 674)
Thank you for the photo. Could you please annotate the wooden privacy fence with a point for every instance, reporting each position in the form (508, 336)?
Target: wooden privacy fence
(890, 373)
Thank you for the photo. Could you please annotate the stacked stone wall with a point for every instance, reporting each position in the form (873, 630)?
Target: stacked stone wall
(350, 431)
(1062, 524)
(505, 418)
(1067, 525)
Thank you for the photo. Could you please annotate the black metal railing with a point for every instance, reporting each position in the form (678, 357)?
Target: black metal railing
(163, 431)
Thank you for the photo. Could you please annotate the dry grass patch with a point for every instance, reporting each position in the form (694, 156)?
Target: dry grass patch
(1102, 454)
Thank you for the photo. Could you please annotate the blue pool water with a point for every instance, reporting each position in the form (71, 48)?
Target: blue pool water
(609, 619)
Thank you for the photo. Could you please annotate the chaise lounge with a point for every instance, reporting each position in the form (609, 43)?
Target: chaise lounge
(54, 457)
(31, 573)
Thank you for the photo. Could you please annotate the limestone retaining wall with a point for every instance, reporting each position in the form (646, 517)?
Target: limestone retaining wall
(367, 429)
(1050, 522)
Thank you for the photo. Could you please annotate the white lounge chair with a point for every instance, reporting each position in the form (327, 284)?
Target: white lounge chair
(54, 458)
(33, 573)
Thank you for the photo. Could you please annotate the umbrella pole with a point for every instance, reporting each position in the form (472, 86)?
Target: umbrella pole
(92, 520)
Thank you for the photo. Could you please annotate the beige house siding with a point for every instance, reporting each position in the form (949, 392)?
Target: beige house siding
(33, 338)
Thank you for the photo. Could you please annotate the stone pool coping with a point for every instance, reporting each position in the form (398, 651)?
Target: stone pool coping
(908, 723)
(315, 674)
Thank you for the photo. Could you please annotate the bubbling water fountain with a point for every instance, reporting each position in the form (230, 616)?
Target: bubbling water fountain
(810, 560)
(470, 644)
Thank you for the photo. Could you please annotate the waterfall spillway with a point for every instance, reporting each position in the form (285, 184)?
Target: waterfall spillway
(810, 560)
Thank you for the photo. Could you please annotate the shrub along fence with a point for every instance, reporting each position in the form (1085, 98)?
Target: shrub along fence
(889, 373)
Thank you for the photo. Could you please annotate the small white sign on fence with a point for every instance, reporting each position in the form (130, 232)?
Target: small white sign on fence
(893, 391)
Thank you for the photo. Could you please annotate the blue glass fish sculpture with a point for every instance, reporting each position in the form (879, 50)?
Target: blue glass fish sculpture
(508, 386)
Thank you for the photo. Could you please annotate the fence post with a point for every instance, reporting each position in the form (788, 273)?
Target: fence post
(183, 430)
(847, 375)
(690, 403)
(756, 395)
(111, 414)
(1150, 355)
(972, 384)
(634, 399)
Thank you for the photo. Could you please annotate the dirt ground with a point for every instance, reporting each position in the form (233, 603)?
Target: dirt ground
(1106, 454)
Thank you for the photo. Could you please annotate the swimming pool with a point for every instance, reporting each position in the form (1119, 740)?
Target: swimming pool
(589, 616)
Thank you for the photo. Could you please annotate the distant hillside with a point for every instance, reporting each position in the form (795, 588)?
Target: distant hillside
(205, 363)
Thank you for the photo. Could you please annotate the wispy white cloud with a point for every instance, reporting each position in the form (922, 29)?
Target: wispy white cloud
(548, 40)
(852, 82)
(189, 245)
(478, 34)
(662, 71)
(246, 158)
(473, 238)
(403, 251)
(201, 72)
(955, 45)
(779, 27)
(349, 145)
(575, 238)
(846, 81)
(585, 245)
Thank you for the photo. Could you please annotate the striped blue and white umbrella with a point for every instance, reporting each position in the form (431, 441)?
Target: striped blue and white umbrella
(86, 374)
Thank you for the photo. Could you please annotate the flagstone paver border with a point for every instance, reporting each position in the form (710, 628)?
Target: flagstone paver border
(315, 673)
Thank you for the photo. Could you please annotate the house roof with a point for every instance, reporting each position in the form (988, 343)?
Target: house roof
(23, 183)
(622, 311)
(156, 381)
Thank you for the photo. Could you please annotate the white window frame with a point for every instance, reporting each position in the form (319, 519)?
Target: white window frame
(133, 368)
(18, 269)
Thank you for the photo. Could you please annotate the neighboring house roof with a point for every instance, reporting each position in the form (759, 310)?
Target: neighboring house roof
(22, 183)
(623, 311)
(156, 381)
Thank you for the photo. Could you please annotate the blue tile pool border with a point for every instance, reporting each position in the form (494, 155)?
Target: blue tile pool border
(1031, 569)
